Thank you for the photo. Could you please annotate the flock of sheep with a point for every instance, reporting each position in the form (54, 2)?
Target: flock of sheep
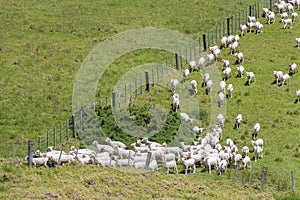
(206, 152)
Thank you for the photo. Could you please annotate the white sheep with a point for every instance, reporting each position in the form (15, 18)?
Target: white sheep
(227, 73)
(194, 86)
(287, 22)
(206, 78)
(138, 150)
(211, 58)
(174, 84)
(259, 27)
(233, 47)
(208, 86)
(217, 53)
(198, 130)
(104, 148)
(258, 142)
(41, 161)
(201, 63)
(226, 63)
(251, 19)
(222, 166)
(294, 16)
(220, 120)
(246, 162)
(189, 164)
(240, 70)
(250, 76)
(243, 29)
(223, 42)
(175, 103)
(238, 121)
(124, 163)
(221, 96)
(212, 161)
(229, 90)
(293, 68)
(169, 165)
(265, 11)
(285, 78)
(298, 95)
(298, 42)
(278, 76)
(185, 117)
(271, 17)
(116, 143)
(258, 152)
(284, 15)
(230, 39)
(192, 65)
(245, 151)
(256, 129)
(239, 57)
(222, 86)
(186, 74)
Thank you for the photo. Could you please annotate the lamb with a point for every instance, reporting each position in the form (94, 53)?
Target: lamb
(256, 129)
(194, 86)
(271, 17)
(206, 78)
(186, 74)
(140, 149)
(265, 11)
(85, 159)
(258, 142)
(278, 75)
(175, 150)
(243, 29)
(284, 15)
(223, 42)
(246, 162)
(222, 166)
(169, 165)
(251, 26)
(287, 22)
(259, 27)
(238, 121)
(298, 95)
(221, 96)
(186, 118)
(285, 78)
(124, 153)
(229, 91)
(192, 65)
(239, 57)
(189, 164)
(174, 84)
(209, 86)
(245, 151)
(233, 47)
(251, 19)
(230, 39)
(227, 73)
(258, 152)
(104, 148)
(220, 120)
(116, 143)
(41, 161)
(216, 53)
(222, 86)
(226, 63)
(237, 159)
(175, 104)
(240, 70)
(293, 68)
(294, 16)
(212, 161)
(61, 159)
(198, 130)
(211, 58)
(298, 42)
(201, 63)
(250, 76)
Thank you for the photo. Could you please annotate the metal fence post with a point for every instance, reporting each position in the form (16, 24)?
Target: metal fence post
(263, 177)
(147, 81)
(30, 152)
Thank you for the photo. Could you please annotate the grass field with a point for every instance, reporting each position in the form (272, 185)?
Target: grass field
(43, 45)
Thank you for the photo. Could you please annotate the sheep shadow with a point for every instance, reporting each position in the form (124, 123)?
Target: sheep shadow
(247, 83)
(296, 101)
(274, 82)
(191, 92)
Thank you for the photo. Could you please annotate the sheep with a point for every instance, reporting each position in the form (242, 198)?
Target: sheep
(233, 47)
(184, 117)
(290, 8)
(294, 16)
(284, 15)
(104, 148)
(61, 159)
(245, 151)
(259, 27)
(230, 39)
(116, 143)
(201, 63)
(211, 161)
(240, 70)
(41, 161)
(186, 74)
(216, 53)
(222, 86)
(198, 130)
(75, 151)
(298, 95)
(220, 120)
(278, 76)
(168, 157)
(229, 91)
(293, 68)
(208, 86)
(258, 152)
(206, 78)
(271, 17)
(227, 73)
(140, 149)
(152, 144)
(189, 164)
(192, 65)
(265, 11)
(229, 143)
(239, 57)
(175, 103)
(285, 78)
(250, 76)
(251, 19)
(167, 165)
(105, 162)
(236, 38)
(213, 48)
(221, 96)
(194, 86)
(251, 26)
(211, 58)
(222, 166)
(223, 42)
(243, 29)
(124, 162)
(124, 153)
(287, 22)
(258, 142)
(246, 162)
(238, 121)
(175, 150)
(237, 159)
(298, 42)
(226, 63)
(85, 159)
(256, 129)
(174, 84)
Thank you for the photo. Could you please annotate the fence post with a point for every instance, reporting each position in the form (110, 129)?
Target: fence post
(186, 56)
(62, 148)
(67, 129)
(141, 88)
(74, 126)
(271, 4)
(39, 143)
(54, 137)
(147, 81)
(263, 177)
(149, 155)
(228, 26)
(106, 100)
(30, 152)
(204, 41)
(250, 11)
(181, 58)
(292, 174)
(81, 117)
(47, 142)
(250, 176)
(113, 99)
(176, 58)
